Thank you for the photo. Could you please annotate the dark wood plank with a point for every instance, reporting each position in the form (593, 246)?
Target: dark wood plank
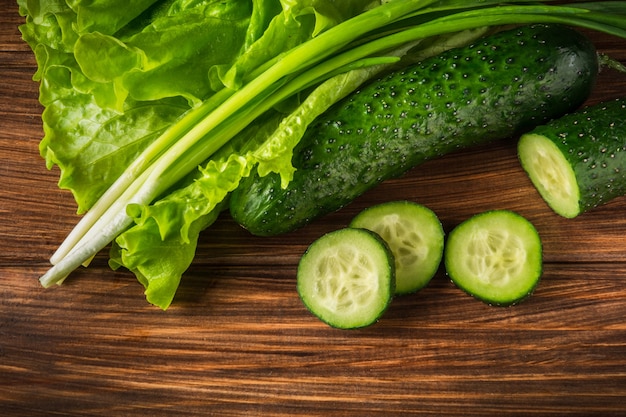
(238, 341)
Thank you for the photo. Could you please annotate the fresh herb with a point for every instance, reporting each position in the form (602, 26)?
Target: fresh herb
(154, 111)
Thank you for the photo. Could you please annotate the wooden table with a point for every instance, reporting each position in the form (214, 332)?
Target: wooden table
(238, 341)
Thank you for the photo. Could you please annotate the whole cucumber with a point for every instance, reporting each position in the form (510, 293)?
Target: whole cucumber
(578, 161)
(499, 86)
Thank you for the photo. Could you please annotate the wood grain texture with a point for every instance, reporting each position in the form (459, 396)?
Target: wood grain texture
(238, 341)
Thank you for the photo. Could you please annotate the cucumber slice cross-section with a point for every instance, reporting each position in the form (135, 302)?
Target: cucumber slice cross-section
(414, 235)
(495, 256)
(346, 278)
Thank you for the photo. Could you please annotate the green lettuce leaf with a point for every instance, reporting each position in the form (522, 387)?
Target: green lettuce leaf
(93, 146)
(171, 56)
(106, 16)
(160, 246)
(98, 118)
(294, 23)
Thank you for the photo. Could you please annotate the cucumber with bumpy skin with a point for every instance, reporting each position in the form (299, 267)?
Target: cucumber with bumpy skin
(414, 235)
(502, 85)
(578, 162)
(495, 256)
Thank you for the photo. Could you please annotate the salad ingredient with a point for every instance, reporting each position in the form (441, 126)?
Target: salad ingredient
(578, 162)
(143, 102)
(499, 86)
(346, 278)
(495, 256)
(414, 235)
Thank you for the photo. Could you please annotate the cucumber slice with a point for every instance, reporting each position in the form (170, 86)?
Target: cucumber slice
(495, 256)
(414, 235)
(346, 278)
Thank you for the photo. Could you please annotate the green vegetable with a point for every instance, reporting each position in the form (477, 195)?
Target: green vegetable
(495, 88)
(579, 161)
(414, 235)
(150, 107)
(346, 278)
(496, 256)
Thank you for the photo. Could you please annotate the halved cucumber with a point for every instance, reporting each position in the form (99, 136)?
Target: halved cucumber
(346, 278)
(495, 256)
(578, 162)
(414, 235)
